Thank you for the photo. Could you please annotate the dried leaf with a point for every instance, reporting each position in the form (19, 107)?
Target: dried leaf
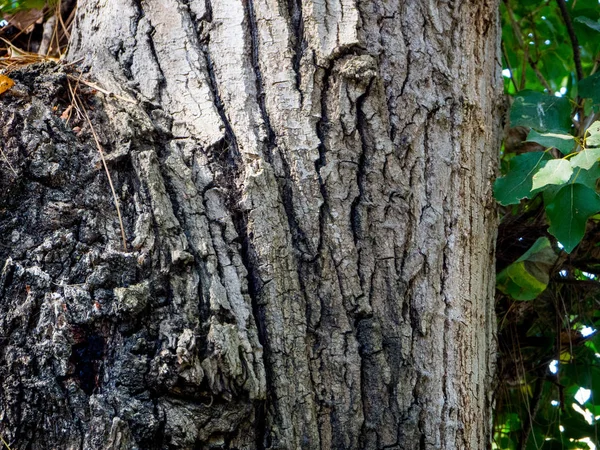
(67, 113)
(25, 20)
(5, 84)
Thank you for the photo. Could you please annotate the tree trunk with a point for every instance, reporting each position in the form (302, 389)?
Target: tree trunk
(306, 196)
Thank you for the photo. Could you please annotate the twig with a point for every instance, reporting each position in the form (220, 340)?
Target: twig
(523, 69)
(579, 111)
(73, 91)
(590, 283)
(59, 13)
(73, 63)
(539, 75)
(596, 61)
(574, 42)
(112, 188)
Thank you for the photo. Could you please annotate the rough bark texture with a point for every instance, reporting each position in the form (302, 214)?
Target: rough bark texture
(306, 192)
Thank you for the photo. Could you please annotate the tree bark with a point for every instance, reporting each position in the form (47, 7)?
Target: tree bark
(306, 195)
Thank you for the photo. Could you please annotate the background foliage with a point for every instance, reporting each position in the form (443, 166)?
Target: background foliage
(548, 394)
(12, 6)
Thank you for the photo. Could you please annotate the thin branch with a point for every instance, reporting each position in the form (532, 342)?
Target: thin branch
(574, 42)
(591, 283)
(596, 61)
(539, 75)
(527, 58)
(72, 92)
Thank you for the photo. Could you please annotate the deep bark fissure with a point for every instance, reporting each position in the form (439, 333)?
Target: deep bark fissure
(161, 85)
(232, 140)
(260, 90)
(321, 131)
(355, 215)
(297, 42)
(280, 164)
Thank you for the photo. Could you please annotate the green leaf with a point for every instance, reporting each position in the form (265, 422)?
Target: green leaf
(589, 22)
(586, 158)
(7, 6)
(556, 171)
(593, 135)
(528, 276)
(541, 112)
(569, 211)
(517, 182)
(563, 142)
(590, 87)
(587, 177)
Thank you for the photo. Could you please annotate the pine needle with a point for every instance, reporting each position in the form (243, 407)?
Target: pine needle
(112, 188)
(5, 443)
(72, 92)
(18, 57)
(8, 162)
(99, 89)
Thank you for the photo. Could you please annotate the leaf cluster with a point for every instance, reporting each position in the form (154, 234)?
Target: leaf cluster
(548, 251)
(14, 6)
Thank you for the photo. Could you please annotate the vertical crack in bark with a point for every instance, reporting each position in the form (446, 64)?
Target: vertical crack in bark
(212, 79)
(153, 54)
(255, 285)
(279, 162)
(361, 126)
(407, 77)
(298, 43)
(322, 128)
(356, 227)
(445, 408)
(260, 89)
(209, 11)
(284, 179)
(214, 88)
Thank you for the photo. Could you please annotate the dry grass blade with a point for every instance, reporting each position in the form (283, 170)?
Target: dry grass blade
(5, 443)
(8, 162)
(73, 95)
(112, 187)
(18, 57)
